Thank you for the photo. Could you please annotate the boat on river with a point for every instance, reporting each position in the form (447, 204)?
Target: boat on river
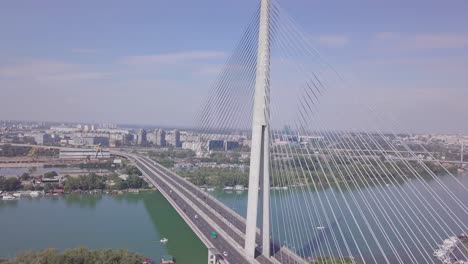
(164, 240)
(8, 197)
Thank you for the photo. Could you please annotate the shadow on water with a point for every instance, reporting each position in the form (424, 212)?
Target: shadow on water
(79, 200)
(8, 204)
(183, 244)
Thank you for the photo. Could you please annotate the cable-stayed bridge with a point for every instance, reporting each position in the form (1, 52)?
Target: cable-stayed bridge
(315, 194)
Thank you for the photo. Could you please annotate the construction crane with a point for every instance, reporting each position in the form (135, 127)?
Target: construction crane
(98, 150)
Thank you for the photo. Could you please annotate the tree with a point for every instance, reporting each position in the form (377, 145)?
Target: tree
(49, 186)
(9, 184)
(28, 187)
(132, 170)
(50, 174)
(25, 176)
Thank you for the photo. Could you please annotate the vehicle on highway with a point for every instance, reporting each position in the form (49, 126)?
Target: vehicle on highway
(213, 234)
(225, 254)
(196, 216)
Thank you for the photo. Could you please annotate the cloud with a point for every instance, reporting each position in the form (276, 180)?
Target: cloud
(49, 70)
(172, 58)
(333, 40)
(84, 51)
(421, 41)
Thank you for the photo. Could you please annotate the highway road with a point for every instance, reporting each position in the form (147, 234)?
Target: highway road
(204, 223)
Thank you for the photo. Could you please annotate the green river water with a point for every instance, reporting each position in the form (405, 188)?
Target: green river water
(135, 222)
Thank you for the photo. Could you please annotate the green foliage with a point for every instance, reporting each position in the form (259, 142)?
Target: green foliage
(88, 182)
(25, 176)
(45, 152)
(50, 174)
(166, 158)
(133, 182)
(50, 186)
(216, 177)
(77, 256)
(9, 184)
(93, 181)
(8, 150)
(223, 158)
(132, 170)
(28, 187)
(166, 162)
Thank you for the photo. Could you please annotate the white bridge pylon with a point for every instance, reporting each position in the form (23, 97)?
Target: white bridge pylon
(260, 148)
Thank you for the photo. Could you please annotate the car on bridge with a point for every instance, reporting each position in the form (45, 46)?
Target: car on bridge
(213, 234)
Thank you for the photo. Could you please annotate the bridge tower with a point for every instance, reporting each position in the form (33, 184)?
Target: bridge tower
(260, 152)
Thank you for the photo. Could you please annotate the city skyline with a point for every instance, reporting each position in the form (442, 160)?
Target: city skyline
(121, 63)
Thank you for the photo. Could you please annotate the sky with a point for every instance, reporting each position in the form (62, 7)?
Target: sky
(152, 62)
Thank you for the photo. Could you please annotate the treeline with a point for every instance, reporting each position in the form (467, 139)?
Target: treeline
(167, 158)
(77, 256)
(216, 177)
(94, 181)
(223, 158)
(8, 150)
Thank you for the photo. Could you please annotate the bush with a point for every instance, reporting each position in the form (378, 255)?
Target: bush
(132, 170)
(9, 184)
(50, 174)
(25, 176)
(77, 255)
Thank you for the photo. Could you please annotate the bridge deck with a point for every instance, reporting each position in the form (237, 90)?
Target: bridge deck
(219, 218)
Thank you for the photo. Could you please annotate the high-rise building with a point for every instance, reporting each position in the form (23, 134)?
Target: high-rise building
(160, 137)
(173, 139)
(151, 137)
(141, 140)
(176, 139)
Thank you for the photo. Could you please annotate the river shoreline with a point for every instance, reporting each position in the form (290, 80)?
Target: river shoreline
(7, 196)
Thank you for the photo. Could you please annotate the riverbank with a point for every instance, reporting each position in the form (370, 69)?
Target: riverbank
(10, 196)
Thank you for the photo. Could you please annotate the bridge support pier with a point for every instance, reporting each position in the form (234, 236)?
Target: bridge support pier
(259, 153)
(214, 256)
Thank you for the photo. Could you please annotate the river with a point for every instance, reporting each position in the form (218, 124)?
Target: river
(138, 221)
(393, 221)
(135, 222)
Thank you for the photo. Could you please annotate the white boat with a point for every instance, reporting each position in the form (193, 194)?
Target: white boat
(8, 198)
(210, 189)
(239, 187)
(34, 193)
(228, 188)
(164, 240)
(17, 195)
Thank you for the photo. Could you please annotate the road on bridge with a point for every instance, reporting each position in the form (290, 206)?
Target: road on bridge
(211, 214)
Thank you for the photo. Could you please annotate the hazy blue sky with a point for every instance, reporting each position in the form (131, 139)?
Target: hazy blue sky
(151, 62)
